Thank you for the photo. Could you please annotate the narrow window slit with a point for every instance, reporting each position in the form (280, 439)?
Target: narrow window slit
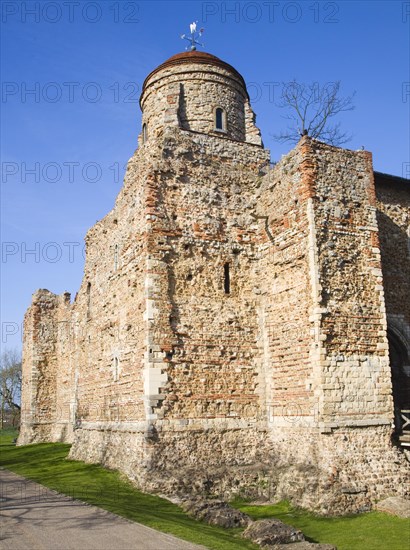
(88, 300)
(116, 257)
(116, 369)
(220, 119)
(227, 279)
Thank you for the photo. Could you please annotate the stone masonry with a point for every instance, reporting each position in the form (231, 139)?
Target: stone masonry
(232, 331)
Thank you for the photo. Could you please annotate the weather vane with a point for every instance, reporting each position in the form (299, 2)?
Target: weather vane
(192, 38)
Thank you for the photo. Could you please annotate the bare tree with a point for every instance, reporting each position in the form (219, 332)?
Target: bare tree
(311, 110)
(10, 385)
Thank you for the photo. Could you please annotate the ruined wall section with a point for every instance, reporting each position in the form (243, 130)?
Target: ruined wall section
(393, 216)
(353, 442)
(203, 250)
(285, 286)
(108, 318)
(63, 426)
(211, 264)
(356, 375)
(325, 462)
(199, 370)
(88, 358)
(40, 409)
(111, 329)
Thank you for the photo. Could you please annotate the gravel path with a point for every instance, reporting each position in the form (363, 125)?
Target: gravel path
(36, 518)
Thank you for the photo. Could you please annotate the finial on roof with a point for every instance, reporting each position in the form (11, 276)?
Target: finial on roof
(192, 38)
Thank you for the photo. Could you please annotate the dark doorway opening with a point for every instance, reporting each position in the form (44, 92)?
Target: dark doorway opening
(400, 373)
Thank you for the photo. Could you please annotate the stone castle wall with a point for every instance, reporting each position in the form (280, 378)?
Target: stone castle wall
(202, 368)
(41, 409)
(356, 379)
(393, 217)
(286, 295)
(328, 443)
(230, 332)
(242, 431)
(109, 313)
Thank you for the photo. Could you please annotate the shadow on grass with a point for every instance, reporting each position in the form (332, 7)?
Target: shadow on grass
(46, 464)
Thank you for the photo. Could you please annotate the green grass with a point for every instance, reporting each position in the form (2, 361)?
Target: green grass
(46, 463)
(7, 436)
(370, 531)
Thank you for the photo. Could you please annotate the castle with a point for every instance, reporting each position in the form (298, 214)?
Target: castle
(231, 334)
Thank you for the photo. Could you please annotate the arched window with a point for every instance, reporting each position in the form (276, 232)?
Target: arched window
(220, 119)
(144, 133)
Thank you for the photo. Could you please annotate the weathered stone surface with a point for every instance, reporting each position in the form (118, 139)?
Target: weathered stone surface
(397, 506)
(216, 512)
(186, 91)
(268, 532)
(230, 335)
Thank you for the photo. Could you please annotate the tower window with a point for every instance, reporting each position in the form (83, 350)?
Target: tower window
(227, 279)
(220, 119)
(144, 133)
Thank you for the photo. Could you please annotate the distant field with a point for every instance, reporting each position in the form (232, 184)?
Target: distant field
(46, 464)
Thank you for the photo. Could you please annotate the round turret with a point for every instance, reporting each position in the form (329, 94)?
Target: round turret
(199, 92)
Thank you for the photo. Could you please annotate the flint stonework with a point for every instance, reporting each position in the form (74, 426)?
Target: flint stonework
(230, 335)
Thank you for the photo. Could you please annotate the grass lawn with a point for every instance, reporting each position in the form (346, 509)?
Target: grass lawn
(370, 531)
(46, 463)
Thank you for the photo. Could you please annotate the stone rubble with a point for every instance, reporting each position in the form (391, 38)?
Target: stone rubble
(269, 532)
(396, 506)
(216, 512)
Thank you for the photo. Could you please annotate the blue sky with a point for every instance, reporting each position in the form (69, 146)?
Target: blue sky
(64, 146)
